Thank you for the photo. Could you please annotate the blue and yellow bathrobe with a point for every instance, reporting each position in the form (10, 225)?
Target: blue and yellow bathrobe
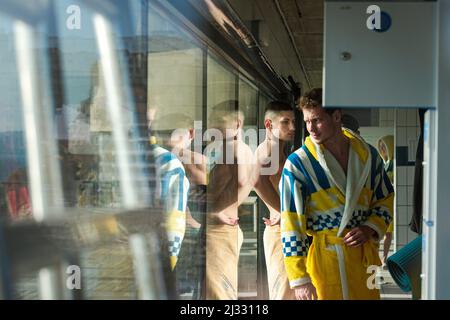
(172, 187)
(320, 200)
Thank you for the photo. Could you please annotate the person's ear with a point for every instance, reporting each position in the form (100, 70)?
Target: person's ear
(239, 123)
(268, 124)
(337, 115)
(191, 133)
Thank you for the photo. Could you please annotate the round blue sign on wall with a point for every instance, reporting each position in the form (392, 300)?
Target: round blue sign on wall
(386, 22)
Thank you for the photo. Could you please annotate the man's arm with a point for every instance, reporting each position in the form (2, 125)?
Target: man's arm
(247, 173)
(306, 292)
(175, 206)
(381, 208)
(267, 192)
(382, 202)
(263, 186)
(295, 242)
(190, 221)
(359, 235)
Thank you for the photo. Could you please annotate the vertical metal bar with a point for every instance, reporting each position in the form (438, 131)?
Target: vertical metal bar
(205, 91)
(6, 286)
(43, 168)
(395, 213)
(148, 276)
(259, 262)
(51, 283)
(236, 91)
(430, 178)
(255, 217)
(114, 92)
(438, 222)
(201, 294)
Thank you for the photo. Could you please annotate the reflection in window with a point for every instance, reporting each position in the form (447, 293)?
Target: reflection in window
(16, 194)
(248, 102)
(15, 198)
(175, 94)
(221, 83)
(248, 213)
(163, 73)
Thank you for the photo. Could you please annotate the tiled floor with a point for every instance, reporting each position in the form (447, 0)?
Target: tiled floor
(389, 290)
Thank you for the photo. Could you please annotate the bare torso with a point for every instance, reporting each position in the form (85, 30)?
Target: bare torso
(230, 184)
(264, 154)
(195, 168)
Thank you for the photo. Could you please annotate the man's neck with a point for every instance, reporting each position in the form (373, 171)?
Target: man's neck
(231, 139)
(276, 144)
(338, 145)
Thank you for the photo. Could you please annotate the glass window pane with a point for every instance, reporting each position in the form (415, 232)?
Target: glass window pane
(248, 102)
(84, 122)
(129, 106)
(231, 212)
(221, 83)
(92, 176)
(248, 213)
(15, 200)
(175, 95)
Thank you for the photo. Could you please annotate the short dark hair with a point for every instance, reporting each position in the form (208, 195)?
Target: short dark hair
(312, 99)
(277, 106)
(228, 108)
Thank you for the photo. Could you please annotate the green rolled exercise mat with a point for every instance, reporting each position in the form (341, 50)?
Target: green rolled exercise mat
(405, 267)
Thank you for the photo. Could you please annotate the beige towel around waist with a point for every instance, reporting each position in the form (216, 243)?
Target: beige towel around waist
(278, 282)
(223, 244)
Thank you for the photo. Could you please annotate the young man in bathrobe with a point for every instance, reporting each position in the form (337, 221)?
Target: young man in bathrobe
(335, 189)
(171, 187)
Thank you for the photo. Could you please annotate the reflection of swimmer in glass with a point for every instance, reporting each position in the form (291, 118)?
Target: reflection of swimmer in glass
(230, 182)
(190, 267)
(172, 188)
(385, 147)
(180, 128)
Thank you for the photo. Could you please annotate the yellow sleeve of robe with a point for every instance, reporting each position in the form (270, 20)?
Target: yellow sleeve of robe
(294, 240)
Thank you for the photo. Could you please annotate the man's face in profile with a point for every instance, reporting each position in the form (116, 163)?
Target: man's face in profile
(226, 123)
(283, 126)
(321, 125)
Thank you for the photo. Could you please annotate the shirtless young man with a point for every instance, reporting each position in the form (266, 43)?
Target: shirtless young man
(231, 179)
(279, 121)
